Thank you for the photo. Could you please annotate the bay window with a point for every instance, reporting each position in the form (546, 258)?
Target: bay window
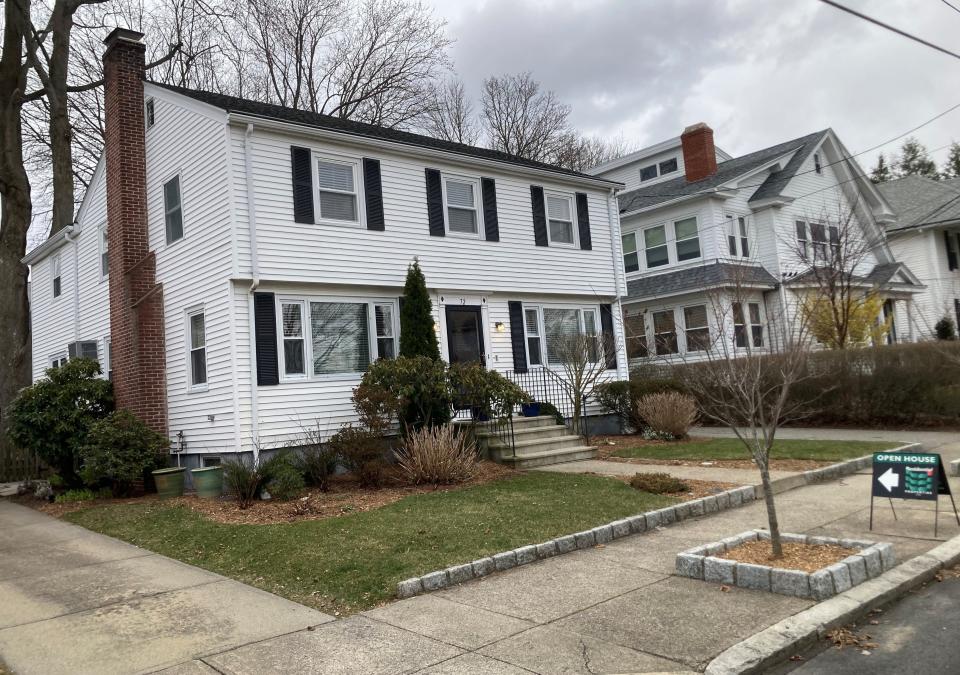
(737, 242)
(687, 239)
(696, 328)
(631, 261)
(747, 334)
(665, 332)
(655, 246)
(636, 336)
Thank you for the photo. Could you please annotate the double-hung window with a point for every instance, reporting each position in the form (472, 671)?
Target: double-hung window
(337, 190)
(665, 332)
(385, 328)
(818, 234)
(104, 258)
(57, 275)
(197, 336)
(636, 334)
(173, 210)
(531, 324)
(58, 360)
(737, 241)
(294, 340)
(655, 246)
(696, 328)
(560, 219)
(687, 239)
(833, 233)
(803, 241)
(463, 216)
(567, 331)
(631, 261)
(747, 334)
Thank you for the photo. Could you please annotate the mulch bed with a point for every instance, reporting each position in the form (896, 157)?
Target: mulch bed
(344, 497)
(803, 557)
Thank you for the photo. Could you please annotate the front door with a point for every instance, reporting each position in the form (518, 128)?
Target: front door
(465, 334)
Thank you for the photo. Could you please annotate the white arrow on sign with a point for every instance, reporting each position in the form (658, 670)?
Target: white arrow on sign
(890, 479)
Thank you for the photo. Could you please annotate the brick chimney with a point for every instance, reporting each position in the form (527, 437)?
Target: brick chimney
(138, 357)
(699, 153)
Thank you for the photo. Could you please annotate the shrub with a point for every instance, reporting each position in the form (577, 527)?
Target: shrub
(658, 483)
(668, 412)
(316, 462)
(945, 329)
(119, 450)
(416, 388)
(282, 478)
(417, 335)
(621, 397)
(547, 408)
(53, 416)
(438, 455)
(363, 453)
(494, 395)
(244, 478)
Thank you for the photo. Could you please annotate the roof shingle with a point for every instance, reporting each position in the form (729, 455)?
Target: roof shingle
(921, 201)
(712, 275)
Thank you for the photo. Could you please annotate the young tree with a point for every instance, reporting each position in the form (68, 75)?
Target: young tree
(580, 153)
(952, 167)
(417, 334)
(522, 120)
(881, 172)
(914, 160)
(582, 360)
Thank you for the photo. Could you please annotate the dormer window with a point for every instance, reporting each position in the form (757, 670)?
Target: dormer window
(150, 113)
(656, 170)
(648, 172)
(668, 166)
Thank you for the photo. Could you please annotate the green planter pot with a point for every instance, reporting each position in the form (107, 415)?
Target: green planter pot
(169, 482)
(208, 481)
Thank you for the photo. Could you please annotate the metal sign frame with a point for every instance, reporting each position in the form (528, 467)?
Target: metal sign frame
(918, 472)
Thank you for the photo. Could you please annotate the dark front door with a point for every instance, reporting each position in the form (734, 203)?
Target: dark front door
(465, 334)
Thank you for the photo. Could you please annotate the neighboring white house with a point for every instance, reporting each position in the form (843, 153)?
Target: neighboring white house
(690, 236)
(272, 252)
(926, 236)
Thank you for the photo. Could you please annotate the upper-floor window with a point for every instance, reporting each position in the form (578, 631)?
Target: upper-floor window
(803, 241)
(687, 239)
(336, 337)
(56, 275)
(952, 242)
(173, 210)
(560, 219)
(337, 182)
(816, 163)
(150, 112)
(747, 334)
(652, 171)
(631, 261)
(460, 199)
(655, 246)
(197, 336)
(738, 243)
(104, 246)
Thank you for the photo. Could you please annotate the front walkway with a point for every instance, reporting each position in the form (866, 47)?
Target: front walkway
(81, 602)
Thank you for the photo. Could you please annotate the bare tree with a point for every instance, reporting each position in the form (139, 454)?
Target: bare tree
(522, 120)
(831, 251)
(580, 153)
(451, 115)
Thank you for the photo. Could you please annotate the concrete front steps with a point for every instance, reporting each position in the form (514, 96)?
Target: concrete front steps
(538, 441)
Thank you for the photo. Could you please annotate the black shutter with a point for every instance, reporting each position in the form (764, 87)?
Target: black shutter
(517, 339)
(302, 170)
(583, 221)
(951, 252)
(491, 225)
(435, 203)
(373, 193)
(609, 340)
(956, 310)
(265, 331)
(539, 215)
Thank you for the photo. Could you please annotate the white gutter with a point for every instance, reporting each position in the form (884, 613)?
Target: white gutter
(72, 236)
(411, 149)
(616, 245)
(55, 241)
(255, 274)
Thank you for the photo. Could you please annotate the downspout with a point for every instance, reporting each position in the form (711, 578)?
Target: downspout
(613, 215)
(255, 276)
(72, 236)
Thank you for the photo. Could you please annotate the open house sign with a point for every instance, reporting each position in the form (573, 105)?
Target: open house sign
(910, 475)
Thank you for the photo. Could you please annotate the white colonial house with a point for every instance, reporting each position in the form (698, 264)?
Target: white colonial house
(697, 224)
(926, 236)
(236, 266)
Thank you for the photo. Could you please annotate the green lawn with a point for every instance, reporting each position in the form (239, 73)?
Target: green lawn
(732, 448)
(353, 562)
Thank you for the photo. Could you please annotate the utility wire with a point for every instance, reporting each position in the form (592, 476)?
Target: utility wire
(894, 29)
(951, 5)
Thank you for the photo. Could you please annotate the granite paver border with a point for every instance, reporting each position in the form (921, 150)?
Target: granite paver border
(624, 527)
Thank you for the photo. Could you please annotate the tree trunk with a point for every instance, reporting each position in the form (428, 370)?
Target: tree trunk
(15, 212)
(772, 521)
(61, 131)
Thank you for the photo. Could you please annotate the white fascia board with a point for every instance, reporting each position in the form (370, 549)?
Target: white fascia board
(49, 246)
(417, 150)
(151, 90)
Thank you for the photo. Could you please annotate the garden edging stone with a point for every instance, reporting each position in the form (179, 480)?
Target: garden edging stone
(729, 499)
(777, 643)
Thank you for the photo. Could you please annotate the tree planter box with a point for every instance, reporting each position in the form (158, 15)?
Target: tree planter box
(872, 560)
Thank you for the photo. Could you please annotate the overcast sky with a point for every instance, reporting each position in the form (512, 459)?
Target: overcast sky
(758, 71)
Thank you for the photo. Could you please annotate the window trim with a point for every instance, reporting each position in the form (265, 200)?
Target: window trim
(188, 315)
(544, 343)
(105, 249)
(686, 342)
(665, 244)
(748, 325)
(733, 230)
(354, 161)
(677, 240)
(56, 276)
(625, 253)
(642, 317)
(539, 337)
(178, 176)
(574, 229)
(477, 205)
(54, 360)
(672, 310)
(281, 342)
(306, 299)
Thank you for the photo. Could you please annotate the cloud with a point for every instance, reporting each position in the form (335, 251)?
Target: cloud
(758, 72)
